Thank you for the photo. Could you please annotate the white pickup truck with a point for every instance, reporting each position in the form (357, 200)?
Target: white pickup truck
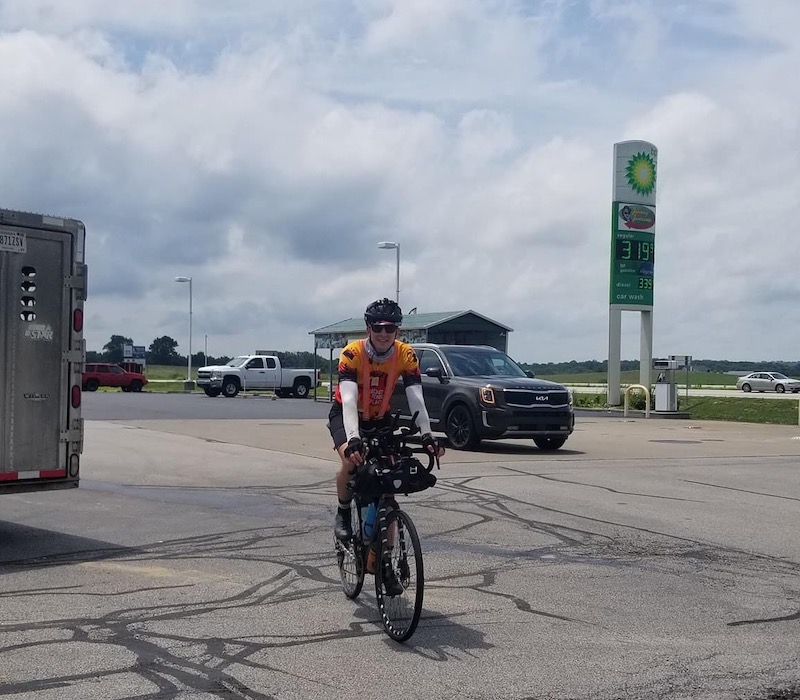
(248, 372)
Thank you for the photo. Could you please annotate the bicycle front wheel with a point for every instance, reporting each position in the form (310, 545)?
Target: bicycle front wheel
(400, 577)
(350, 556)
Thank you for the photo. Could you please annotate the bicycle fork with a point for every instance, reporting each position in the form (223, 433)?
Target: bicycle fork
(392, 539)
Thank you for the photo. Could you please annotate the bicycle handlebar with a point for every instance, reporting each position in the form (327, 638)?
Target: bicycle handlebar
(387, 441)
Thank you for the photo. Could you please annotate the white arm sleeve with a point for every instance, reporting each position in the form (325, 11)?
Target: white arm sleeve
(416, 402)
(348, 390)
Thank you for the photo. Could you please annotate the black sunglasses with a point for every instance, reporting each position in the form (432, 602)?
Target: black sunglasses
(383, 327)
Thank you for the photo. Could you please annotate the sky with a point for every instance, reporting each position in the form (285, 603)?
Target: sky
(265, 147)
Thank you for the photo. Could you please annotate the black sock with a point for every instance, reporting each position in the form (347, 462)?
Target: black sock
(344, 506)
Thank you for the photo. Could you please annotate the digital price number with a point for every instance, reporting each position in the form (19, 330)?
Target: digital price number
(636, 251)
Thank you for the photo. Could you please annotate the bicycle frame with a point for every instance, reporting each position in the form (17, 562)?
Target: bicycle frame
(379, 539)
(390, 468)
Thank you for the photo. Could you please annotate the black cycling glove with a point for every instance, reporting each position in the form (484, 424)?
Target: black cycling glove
(355, 444)
(429, 441)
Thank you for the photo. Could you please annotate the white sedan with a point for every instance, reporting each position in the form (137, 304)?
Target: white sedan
(768, 381)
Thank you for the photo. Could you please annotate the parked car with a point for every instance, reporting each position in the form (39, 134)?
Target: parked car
(476, 393)
(768, 381)
(97, 374)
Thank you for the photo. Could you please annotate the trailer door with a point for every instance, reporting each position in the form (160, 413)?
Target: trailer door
(35, 367)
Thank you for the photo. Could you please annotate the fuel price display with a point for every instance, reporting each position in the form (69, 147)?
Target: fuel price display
(635, 250)
(632, 255)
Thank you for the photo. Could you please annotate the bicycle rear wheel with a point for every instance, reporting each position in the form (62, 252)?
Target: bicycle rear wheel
(401, 561)
(350, 556)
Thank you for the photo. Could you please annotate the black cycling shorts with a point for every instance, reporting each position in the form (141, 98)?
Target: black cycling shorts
(336, 424)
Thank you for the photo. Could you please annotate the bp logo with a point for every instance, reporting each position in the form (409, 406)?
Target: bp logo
(641, 173)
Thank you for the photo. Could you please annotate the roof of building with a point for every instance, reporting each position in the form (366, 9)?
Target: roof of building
(410, 322)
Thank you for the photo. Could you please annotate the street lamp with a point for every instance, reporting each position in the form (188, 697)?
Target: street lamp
(189, 383)
(389, 245)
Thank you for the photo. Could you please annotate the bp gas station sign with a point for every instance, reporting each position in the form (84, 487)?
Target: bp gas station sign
(633, 225)
(633, 255)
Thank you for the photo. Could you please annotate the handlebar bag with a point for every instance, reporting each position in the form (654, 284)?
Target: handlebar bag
(406, 476)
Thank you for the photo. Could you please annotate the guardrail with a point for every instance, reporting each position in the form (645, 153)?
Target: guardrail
(680, 385)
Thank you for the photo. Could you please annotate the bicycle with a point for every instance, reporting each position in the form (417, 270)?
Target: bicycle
(390, 468)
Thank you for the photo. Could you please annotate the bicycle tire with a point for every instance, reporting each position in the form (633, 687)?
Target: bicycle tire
(350, 556)
(400, 614)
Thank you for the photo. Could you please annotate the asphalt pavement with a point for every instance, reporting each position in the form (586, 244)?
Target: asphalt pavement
(645, 559)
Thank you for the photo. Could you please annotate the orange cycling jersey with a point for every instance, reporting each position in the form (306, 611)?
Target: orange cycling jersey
(376, 380)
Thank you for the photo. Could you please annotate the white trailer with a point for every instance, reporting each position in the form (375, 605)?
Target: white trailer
(42, 351)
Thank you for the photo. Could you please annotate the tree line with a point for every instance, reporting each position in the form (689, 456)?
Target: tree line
(163, 351)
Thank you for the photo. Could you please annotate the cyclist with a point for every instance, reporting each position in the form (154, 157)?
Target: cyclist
(368, 372)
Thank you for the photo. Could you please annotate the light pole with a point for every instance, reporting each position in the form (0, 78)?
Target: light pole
(389, 245)
(189, 383)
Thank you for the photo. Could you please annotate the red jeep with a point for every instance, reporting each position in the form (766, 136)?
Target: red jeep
(107, 374)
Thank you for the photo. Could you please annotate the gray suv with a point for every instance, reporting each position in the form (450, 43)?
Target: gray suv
(476, 393)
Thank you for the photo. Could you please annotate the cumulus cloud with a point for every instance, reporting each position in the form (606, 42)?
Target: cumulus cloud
(266, 149)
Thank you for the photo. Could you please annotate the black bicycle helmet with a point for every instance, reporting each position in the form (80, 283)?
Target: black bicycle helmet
(383, 310)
